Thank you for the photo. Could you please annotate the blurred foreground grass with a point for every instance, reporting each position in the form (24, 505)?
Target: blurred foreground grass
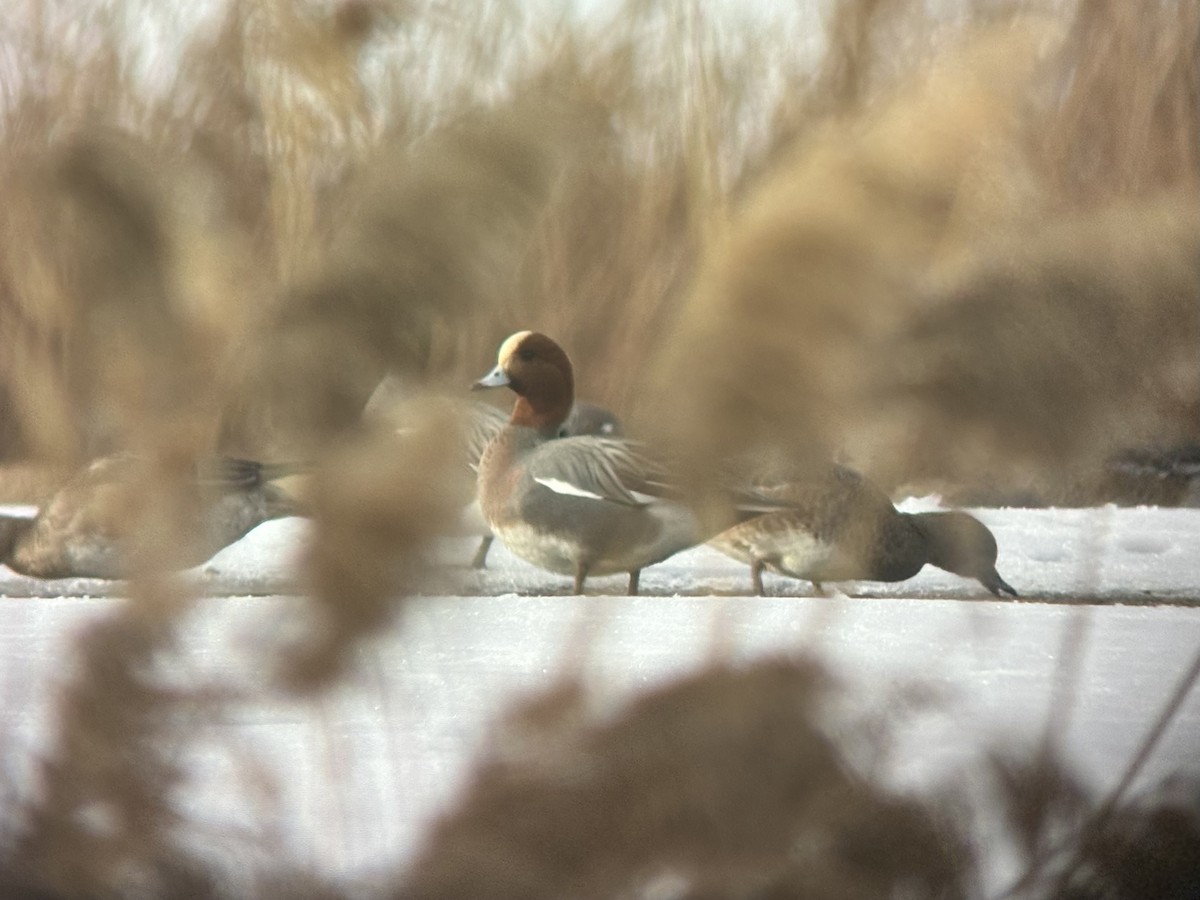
(961, 249)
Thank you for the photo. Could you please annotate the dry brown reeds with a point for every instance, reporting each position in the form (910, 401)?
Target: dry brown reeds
(727, 784)
(823, 319)
(1121, 109)
(721, 785)
(980, 255)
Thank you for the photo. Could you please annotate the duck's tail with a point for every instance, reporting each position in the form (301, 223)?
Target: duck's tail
(750, 503)
(243, 474)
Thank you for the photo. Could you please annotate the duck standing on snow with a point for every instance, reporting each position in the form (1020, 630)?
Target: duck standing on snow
(482, 423)
(82, 530)
(585, 419)
(576, 506)
(840, 527)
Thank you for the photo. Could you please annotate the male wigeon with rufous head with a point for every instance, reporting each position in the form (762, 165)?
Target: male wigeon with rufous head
(481, 423)
(575, 506)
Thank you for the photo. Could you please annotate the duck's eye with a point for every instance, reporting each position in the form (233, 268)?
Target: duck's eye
(525, 355)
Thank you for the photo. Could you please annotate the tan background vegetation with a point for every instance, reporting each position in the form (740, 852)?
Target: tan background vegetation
(957, 247)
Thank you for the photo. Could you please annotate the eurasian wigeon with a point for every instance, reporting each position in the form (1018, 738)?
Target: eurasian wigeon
(575, 506)
(840, 527)
(82, 530)
(481, 423)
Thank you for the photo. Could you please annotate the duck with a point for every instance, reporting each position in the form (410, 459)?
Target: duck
(481, 423)
(81, 530)
(583, 505)
(838, 526)
(591, 418)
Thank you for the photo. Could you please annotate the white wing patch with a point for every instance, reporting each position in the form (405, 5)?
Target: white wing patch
(565, 487)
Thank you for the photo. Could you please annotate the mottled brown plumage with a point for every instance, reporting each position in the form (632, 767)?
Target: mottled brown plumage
(85, 529)
(840, 527)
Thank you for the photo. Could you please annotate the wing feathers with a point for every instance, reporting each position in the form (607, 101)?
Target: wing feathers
(601, 468)
(565, 487)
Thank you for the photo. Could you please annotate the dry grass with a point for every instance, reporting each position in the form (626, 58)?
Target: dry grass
(726, 784)
(908, 286)
(975, 260)
(577, 805)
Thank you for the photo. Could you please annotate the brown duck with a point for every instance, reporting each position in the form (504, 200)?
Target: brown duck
(82, 531)
(841, 527)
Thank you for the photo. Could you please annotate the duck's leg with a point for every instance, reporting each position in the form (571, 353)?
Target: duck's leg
(756, 570)
(634, 577)
(480, 559)
(819, 589)
(580, 576)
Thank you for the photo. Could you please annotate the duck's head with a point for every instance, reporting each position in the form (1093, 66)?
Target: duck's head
(960, 543)
(12, 528)
(539, 373)
(588, 418)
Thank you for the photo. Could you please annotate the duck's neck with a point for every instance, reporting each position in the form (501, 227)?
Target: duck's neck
(901, 548)
(934, 528)
(545, 415)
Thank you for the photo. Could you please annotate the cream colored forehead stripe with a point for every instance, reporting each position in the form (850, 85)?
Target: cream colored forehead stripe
(509, 347)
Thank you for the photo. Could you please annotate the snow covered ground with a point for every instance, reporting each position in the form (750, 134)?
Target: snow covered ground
(1128, 555)
(351, 779)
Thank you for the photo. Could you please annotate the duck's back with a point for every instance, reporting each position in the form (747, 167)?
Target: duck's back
(84, 530)
(838, 527)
